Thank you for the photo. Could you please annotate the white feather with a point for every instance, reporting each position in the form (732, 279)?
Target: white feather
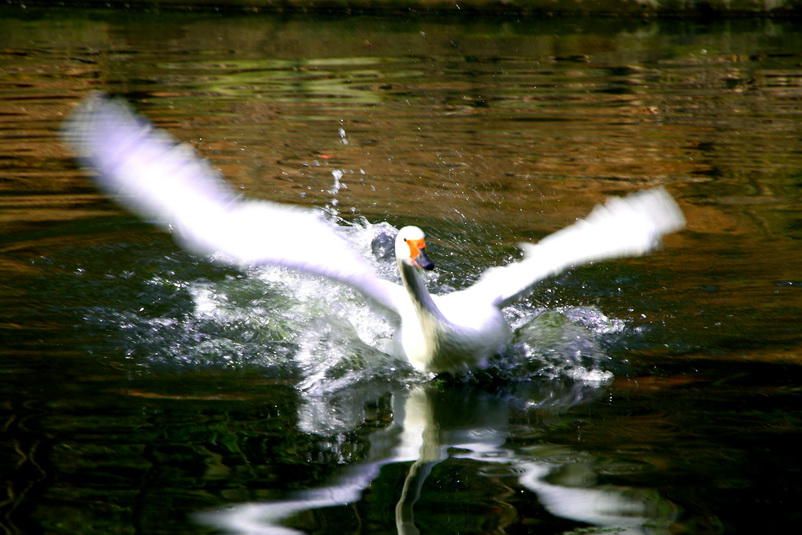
(631, 226)
(153, 175)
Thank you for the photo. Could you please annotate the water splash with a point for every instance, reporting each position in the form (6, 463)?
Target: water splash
(324, 336)
(337, 174)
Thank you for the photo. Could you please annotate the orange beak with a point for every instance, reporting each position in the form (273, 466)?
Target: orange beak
(417, 252)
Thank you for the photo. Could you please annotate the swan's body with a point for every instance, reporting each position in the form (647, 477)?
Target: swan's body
(156, 177)
(443, 332)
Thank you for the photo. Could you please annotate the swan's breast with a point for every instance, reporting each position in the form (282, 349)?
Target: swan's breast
(469, 336)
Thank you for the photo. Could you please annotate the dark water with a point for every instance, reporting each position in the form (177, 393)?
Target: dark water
(145, 390)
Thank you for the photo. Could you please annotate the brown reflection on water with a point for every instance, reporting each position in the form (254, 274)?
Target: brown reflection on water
(483, 131)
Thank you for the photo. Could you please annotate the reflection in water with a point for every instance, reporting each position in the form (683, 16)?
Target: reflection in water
(430, 426)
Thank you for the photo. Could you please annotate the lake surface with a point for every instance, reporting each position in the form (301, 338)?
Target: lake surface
(146, 390)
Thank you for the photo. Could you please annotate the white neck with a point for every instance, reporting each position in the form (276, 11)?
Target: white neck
(424, 303)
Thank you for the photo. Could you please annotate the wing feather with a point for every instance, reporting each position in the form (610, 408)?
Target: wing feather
(156, 177)
(620, 227)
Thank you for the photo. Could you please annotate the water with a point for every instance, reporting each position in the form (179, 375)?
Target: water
(148, 390)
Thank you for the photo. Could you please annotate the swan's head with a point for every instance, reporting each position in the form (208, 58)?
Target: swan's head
(410, 247)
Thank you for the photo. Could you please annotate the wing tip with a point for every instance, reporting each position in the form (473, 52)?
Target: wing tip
(644, 217)
(661, 209)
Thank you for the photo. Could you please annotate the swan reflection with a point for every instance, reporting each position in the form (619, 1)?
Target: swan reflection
(465, 423)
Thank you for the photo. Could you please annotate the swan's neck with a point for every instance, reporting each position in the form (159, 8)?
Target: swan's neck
(424, 304)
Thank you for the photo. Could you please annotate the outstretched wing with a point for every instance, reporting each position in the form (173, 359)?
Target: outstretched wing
(629, 226)
(154, 176)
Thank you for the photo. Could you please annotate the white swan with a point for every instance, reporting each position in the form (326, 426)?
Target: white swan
(153, 175)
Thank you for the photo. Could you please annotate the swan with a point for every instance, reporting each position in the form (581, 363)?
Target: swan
(160, 179)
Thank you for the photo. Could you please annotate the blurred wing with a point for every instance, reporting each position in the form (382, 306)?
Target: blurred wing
(154, 176)
(629, 226)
